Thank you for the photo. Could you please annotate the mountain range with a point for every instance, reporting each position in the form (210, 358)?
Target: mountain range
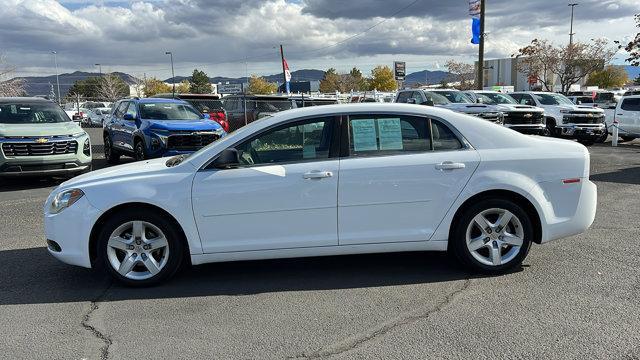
(43, 85)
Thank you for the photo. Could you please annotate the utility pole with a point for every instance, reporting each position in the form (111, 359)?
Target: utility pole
(571, 33)
(99, 67)
(481, 49)
(284, 76)
(173, 75)
(55, 59)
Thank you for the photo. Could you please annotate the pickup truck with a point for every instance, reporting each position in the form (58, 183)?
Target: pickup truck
(526, 119)
(564, 118)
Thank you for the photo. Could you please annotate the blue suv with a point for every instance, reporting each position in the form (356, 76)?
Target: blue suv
(149, 128)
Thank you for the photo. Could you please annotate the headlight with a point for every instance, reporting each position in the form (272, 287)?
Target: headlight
(565, 111)
(65, 199)
(161, 132)
(78, 134)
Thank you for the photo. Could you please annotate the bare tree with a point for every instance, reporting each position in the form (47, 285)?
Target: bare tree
(112, 88)
(462, 73)
(564, 65)
(9, 86)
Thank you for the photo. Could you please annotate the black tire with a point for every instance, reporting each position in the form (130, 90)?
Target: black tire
(175, 240)
(458, 242)
(627, 138)
(602, 138)
(110, 153)
(551, 127)
(138, 150)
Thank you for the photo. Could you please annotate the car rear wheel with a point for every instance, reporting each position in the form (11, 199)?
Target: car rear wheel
(492, 236)
(109, 153)
(140, 248)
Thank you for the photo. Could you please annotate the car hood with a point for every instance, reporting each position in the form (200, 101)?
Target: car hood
(138, 169)
(192, 125)
(48, 129)
(469, 108)
(578, 108)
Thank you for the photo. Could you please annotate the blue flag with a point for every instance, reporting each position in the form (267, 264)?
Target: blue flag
(475, 30)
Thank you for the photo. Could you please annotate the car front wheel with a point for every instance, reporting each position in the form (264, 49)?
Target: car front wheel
(139, 151)
(140, 248)
(492, 236)
(109, 153)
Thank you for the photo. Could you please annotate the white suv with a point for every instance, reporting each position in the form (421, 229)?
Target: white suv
(564, 118)
(627, 115)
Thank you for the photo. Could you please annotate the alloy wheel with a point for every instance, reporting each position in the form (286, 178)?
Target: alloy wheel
(495, 237)
(138, 250)
(107, 148)
(139, 151)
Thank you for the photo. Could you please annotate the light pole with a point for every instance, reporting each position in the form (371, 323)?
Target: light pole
(99, 67)
(173, 75)
(55, 60)
(571, 33)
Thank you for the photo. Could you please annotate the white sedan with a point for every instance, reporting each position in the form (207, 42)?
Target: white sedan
(329, 180)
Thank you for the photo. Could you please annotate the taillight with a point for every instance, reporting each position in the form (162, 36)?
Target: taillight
(225, 124)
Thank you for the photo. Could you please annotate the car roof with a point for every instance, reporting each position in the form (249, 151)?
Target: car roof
(159, 100)
(25, 100)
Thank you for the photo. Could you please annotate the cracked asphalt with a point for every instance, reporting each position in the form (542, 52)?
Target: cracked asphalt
(573, 298)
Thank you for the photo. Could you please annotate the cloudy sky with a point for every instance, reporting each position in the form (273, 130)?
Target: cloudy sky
(231, 37)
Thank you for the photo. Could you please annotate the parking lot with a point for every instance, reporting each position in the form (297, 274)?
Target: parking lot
(574, 298)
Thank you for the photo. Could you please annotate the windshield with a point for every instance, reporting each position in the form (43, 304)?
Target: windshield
(552, 99)
(455, 97)
(496, 98)
(273, 105)
(168, 111)
(34, 113)
(436, 98)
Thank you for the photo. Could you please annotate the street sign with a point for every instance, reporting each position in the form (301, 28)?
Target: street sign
(229, 88)
(399, 68)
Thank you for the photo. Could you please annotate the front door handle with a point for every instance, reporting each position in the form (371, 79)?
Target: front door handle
(450, 165)
(315, 174)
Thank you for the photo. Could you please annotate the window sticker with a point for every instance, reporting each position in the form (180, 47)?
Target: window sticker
(364, 135)
(390, 134)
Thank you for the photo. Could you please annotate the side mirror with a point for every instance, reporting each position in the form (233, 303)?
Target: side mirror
(579, 102)
(427, 102)
(411, 101)
(128, 117)
(206, 116)
(479, 100)
(228, 159)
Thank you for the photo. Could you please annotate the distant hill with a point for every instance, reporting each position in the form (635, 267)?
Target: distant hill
(298, 75)
(41, 85)
(426, 77)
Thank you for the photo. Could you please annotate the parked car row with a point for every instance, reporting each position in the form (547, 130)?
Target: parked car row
(529, 112)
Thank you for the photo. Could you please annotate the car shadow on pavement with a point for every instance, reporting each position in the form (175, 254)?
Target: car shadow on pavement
(32, 276)
(28, 183)
(622, 176)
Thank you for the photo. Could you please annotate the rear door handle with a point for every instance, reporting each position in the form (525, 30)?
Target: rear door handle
(316, 174)
(449, 165)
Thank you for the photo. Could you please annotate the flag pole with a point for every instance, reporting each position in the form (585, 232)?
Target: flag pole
(284, 74)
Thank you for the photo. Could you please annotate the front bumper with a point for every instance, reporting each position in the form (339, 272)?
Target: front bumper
(533, 129)
(581, 131)
(70, 229)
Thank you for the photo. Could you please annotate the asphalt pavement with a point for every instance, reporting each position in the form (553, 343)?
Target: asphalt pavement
(575, 298)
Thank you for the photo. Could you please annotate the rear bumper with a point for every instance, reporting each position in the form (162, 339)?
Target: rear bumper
(561, 224)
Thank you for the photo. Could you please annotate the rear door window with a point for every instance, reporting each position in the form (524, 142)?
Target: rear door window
(377, 135)
(630, 104)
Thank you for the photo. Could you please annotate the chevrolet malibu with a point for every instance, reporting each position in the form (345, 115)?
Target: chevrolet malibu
(329, 180)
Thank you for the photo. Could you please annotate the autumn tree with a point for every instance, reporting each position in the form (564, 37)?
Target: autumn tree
(609, 77)
(154, 86)
(565, 64)
(184, 87)
(382, 79)
(9, 86)
(461, 73)
(111, 88)
(633, 48)
(199, 83)
(329, 82)
(360, 83)
(259, 85)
